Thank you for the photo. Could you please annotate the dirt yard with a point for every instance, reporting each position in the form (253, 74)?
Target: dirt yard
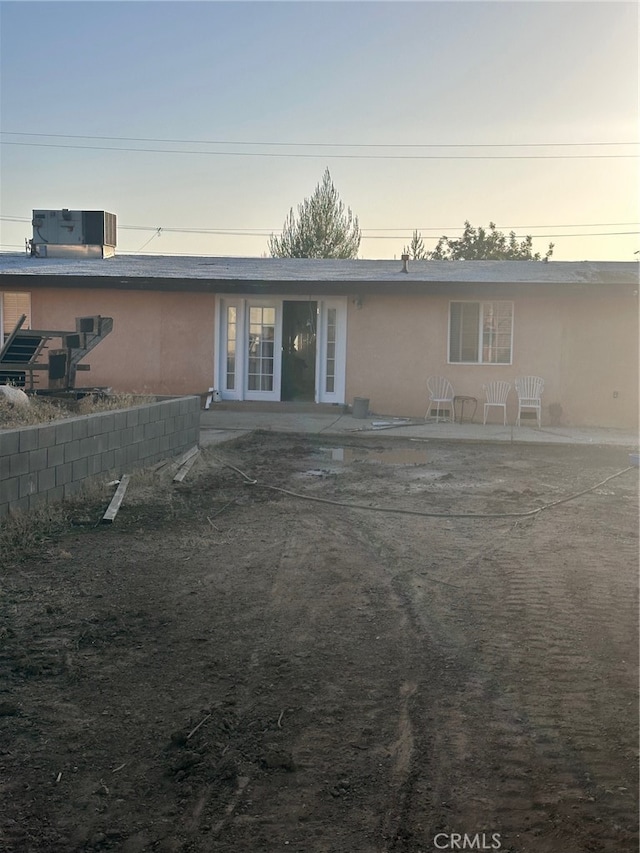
(231, 668)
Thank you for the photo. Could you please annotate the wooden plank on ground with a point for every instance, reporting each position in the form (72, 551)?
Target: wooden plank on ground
(182, 459)
(116, 500)
(184, 470)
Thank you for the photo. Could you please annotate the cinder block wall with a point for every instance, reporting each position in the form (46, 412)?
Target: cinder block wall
(49, 462)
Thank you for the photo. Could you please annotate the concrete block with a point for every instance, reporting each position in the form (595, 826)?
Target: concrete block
(19, 464)
(102, 442)
(5, 466)
(108, 460)
(131, 455)
(94, 424)
(28, 485)
(108, 422)
(89, 446)
(9, 490)
(137, 433)
(37, 499)
(71, 451)
(37, 459)
(118, 460)
(94, 464)
(28, 438)
(9, 442)
(152, 447)
(55, 495)
(79, 428)
(64, 473)
(144, 415)
(80, 469)
(55, 455)
(64, 432)
(20, 505)
(47, 435)
(115, 440)
(46, 479)
(119, 420)
(72, 488)
(132, 417)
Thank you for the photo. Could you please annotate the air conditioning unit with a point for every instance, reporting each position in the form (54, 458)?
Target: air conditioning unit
(73, 233)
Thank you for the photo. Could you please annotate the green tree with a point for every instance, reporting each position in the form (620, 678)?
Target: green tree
(479, 244)
(321, 229)
(415, 249)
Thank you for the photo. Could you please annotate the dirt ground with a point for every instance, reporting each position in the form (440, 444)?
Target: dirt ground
(229, 667)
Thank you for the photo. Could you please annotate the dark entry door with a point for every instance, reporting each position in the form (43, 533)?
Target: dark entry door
(299, 339)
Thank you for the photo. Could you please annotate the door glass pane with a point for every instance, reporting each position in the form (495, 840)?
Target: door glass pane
(231, 347)
(330, 364)
(261, 352)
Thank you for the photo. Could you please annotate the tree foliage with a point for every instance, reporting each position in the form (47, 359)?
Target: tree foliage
(415, 249)
(321, 229)
(479, 244)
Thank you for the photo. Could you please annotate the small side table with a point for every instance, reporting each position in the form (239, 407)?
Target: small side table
(462, 400)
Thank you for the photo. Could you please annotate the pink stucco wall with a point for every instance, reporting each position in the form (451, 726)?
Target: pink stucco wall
(585, 348)
(161, 342)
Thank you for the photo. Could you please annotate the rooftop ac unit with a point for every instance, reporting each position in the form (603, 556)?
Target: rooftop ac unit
(74, 229)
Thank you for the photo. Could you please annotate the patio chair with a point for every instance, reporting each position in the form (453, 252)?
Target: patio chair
(529, 390)
(440, 394)
(496, 394)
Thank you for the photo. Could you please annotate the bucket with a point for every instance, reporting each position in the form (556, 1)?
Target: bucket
(360, 407)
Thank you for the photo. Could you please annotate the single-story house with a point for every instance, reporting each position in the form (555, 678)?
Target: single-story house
(328, 331)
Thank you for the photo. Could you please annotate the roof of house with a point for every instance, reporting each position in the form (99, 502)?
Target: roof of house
(308, 269)
(211, 273)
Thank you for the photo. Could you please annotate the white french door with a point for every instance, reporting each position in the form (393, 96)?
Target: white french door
(249, 351)
(331, 350)
(263, 350)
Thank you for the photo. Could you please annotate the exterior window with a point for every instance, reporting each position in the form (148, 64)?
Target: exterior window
(480, 332)
(12, 307)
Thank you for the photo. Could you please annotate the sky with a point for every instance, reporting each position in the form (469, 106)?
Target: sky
(211, 120)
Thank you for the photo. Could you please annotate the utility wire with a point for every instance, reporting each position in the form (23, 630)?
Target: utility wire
(157, 234)
(319, 144)
(334, 156)
(251, 232)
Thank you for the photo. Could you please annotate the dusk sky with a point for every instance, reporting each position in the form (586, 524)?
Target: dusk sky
(426, 113)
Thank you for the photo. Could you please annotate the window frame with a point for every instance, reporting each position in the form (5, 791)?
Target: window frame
(27, 324)
(481, 303)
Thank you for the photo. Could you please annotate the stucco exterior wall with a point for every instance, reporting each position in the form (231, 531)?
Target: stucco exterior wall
(161, 343)
(585, 349)
(584, 346)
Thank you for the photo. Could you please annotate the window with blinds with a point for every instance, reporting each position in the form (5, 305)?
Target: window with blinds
(480, 332)
(12, 307)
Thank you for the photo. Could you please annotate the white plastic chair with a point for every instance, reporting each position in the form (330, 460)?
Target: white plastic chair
(529, 390)
(496, 394)
(440, 393)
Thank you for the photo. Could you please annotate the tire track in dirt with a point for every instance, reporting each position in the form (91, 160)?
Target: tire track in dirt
(540, 752)
(346, 730)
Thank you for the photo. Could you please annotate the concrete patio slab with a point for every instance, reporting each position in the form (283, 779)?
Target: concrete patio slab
(219, 425)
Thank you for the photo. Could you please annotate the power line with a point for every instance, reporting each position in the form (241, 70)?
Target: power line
(318, 144)
(331, 156)
(263, 232)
